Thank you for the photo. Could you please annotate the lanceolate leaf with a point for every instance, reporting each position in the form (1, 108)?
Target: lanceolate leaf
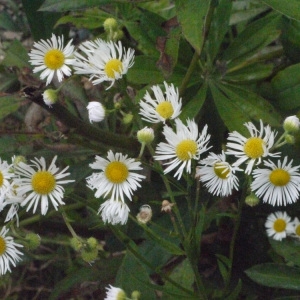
(290, 8)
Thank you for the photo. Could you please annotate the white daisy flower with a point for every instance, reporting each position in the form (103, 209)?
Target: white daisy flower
(51, 57)
(114, 212)
(183, 145)
(114, 293)
(296, 228)
(6, 176)
(96, 111)
(39, 184)
(9, 254)
(164, 106)
(278, 184)
(103, 61)
(278, 225)
(251, 150)
(117, 176)
(218, 175)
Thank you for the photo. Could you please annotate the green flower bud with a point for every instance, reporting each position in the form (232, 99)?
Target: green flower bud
(76, 244)
(33, 240)
(290, 139)
(145, 135)
(135, 295)
(92, 243)
(252, 200)
(110, 24)
(127, 119)
(50, 97)
(291, 124)
(89, 255)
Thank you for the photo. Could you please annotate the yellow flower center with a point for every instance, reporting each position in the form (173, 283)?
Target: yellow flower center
(279, 177)
(279, 225)
(186, 149)
(112, 66)
(2, 245)
(54, 59)
(43, 182)
(297, 230)
(165, 109)
(253, 148)
(116, 172)
(1, 179)
(221, 170)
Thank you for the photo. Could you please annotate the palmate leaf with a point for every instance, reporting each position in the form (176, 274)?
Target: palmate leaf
(290, 8)
(275, 275)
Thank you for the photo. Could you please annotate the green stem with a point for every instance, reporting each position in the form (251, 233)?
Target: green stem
(72, 231)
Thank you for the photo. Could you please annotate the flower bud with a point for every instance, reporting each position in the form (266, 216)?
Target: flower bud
(291, 124)
(252, 200)
(89, 255)
(76, 244)
(33, 240)
(166, 206)
(145, 214)
(145, 135)
(92, 243)
(110, 24)
(127, 119)
(96, 111)
(135, 295)
(50, 97)
(290, 139)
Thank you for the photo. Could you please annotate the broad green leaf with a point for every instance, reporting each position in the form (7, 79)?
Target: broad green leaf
(251, 104)
(132, 276)
(144, 71)
(16, 55)
(236, 291)
(255, 37)
(192, 108)
(290, 8)
(275, 275)
(286, 85)
(8, 105)
(219, 27)
(8, 81)
(246, 14)
(289, 249)
(183, 274)
(191, 15)
(229, 110)
(67, 5)
(6, 22)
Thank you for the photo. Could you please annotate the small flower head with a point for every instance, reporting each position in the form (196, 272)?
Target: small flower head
(50, 97)
(6, 175)
(114, 212)
(277, 184)
(51, 57)
(253, 149)
(166, 206)
(291, 124)
(164, 106)
(183, 146)
(96, 111)
(103, 61)
(145, 135)
(296, 226)
(145, 214)
(252, 200)
(110, 24)
(278, 225)
(114, 293)
(117, 176)
(40, 184)
(9, 254)
(218, 175)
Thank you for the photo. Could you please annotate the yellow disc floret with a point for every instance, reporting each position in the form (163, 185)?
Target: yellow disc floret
(297, 230)
(279, 225)
(113, 66)
(279, 177)
(54, 59)
(253, 148)
(165, 109)
(116, 172)
(2, 245)
(43, 182)
(186, 149)
(221, 170)
(1, 179)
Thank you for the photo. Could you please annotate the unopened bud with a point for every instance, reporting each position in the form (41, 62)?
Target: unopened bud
(76, 244)
(145, 135)
(96, 111)
(290, 139)
(92, 243)
(145, 214)
(89, 255)
(166, 206)
(252, 200)
(33, 240)
(291, 124)
(110, 24)
(50, 97)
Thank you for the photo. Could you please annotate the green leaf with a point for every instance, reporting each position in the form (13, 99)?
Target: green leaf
(144, 71)
(289, 249)
(286, 85)
(275, 275)
(132, 276)
(16, 55)
(67, 5)
(6, 22)
(254, 38)
(192, 108)
(251, 104)
(290, 8)
(235, 293)
(191, 15)
(8, 105)
(183, 274)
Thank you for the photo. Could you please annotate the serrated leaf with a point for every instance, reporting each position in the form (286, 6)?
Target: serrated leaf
(289, 8)
(144, 71)
(16, 55)
(191, 15)
(192, 108)
(251, 104)
(275, 275)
